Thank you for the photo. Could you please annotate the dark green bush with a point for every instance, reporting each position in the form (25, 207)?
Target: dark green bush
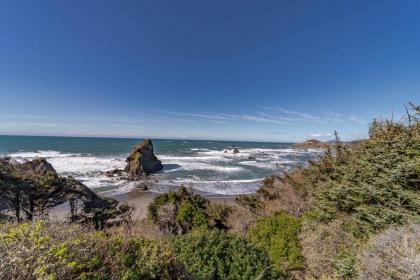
(378, 183)
(250, 202)
(179, 212)
(143, 259)
(216, 254)
(278, 234)
(375, 181)
(357, 190)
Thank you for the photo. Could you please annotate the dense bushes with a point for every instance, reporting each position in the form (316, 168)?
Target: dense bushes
(216, 254)
(179, 212)
(144, 259)
(352, 192)
(278, 234)
(40, 251)
(356, 191)
(43, 250)
(376, 182)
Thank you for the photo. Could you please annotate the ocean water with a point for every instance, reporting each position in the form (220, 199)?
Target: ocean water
(201, 165)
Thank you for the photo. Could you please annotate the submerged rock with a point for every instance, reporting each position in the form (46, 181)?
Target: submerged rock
(113, 172)
(142, 186)
(142, 161)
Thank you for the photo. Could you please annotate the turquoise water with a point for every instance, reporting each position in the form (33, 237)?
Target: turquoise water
(207, 166)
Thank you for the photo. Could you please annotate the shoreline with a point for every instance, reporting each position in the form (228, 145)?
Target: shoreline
(141, 199)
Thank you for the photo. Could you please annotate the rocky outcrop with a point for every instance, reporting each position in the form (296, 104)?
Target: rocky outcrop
(142, 161)
(114, 172)
(312, 144)
(235, 151)
(34, 187)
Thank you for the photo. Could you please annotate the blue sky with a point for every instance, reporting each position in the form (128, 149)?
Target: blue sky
(237, 70)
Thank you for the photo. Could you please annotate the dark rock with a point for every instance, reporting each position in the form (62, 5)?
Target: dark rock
(36, 169)
(142, 186)
(34, 187)
(235, 151)
(113, 172)
(142, 161)
(251, 158)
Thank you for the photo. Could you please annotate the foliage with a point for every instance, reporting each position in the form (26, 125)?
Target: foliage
(216, 254)
(355, 191)
(329, 248)
(42, 250)
(179, 212)
(393, 254)
(144, 259)
(250, 202)
(278, 234)
(376, 182)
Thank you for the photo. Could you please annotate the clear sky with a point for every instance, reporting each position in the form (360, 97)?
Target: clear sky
(238, 70)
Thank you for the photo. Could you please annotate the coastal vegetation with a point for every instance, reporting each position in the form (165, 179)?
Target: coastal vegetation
(181, 211)
(354, 213)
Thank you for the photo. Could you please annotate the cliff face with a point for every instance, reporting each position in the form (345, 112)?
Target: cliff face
(142, 161)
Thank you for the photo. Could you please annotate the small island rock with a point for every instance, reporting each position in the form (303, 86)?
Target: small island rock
(142, 161)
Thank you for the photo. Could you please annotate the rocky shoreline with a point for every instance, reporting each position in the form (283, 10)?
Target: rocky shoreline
(140, 165)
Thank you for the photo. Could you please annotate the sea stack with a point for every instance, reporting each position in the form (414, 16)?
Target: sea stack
(142, 161)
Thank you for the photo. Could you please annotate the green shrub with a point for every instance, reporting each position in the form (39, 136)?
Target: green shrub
(143, 259)
(278, 234)
(216, 254)
(250, 202)
(47, 251)
(181, 211)
(355, 191)
(43, 250)
(378, 182)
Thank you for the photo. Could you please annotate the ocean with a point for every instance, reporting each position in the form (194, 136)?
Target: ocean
(198, 164)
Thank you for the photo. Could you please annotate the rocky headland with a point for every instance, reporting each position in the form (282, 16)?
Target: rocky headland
(312, 144)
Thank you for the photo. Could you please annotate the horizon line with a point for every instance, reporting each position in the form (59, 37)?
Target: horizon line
(150, 137)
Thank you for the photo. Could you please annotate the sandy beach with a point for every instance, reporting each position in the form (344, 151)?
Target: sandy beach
(141, 199)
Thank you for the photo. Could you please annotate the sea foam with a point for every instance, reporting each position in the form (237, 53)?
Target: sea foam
(208, 170)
